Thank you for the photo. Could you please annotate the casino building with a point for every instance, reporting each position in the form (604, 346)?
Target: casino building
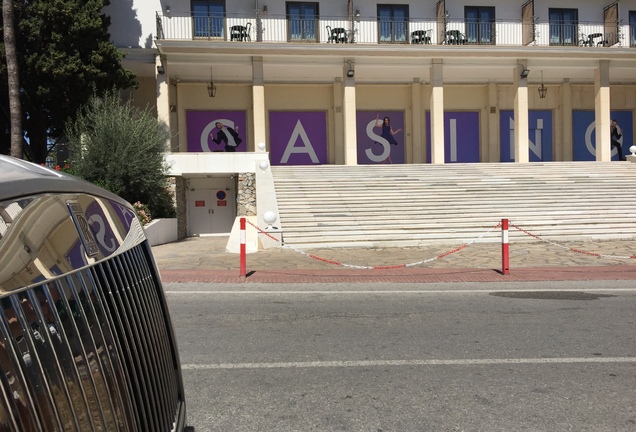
(356, 82)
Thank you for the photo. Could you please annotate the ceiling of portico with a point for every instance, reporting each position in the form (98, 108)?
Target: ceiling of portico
(470, 66)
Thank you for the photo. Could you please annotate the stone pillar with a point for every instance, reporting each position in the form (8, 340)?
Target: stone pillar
(602, 112)
(258, 102)
(349, 114)
(182, 207)
(246, 199)
(437, 112)
(522, 146)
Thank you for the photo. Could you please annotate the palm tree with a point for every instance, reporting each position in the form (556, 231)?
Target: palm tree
(15, 108)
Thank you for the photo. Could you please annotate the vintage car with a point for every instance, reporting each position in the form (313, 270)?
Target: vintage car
(86, 338)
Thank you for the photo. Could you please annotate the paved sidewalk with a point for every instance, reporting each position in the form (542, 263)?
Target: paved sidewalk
(204, 259)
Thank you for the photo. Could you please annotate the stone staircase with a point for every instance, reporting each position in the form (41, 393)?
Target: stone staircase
(411, 205)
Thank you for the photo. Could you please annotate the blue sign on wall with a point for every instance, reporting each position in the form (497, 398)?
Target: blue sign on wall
(584, 134)
(461, 136)
(539, 135)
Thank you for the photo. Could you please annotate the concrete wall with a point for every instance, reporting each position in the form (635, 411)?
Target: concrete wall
(133, 22)
(145, 95)
(198, 164)
(161, 231)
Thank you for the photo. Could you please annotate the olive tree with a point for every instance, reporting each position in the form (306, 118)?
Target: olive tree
(120, 147)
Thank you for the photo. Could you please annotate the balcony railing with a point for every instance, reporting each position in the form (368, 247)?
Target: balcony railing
(282, 29)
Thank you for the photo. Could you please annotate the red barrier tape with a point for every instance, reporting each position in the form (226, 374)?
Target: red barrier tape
(262, 232)
(381, 267)
(389, 267)
(586, 253)
(451, 252)
(594, 254)
(324, 260)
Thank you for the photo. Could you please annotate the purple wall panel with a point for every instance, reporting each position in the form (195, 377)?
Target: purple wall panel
(202, 131)
(298, 137)
(378, 141)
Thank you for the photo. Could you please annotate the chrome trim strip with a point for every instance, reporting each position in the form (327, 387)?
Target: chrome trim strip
(96, 370)
(131, 358)
(22, 405)
(77, 356)
(50, 328)
(163, 345)
(113, 351)
(142, 338)
(150, 341)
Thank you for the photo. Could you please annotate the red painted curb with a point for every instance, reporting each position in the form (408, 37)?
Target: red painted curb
(404, 275)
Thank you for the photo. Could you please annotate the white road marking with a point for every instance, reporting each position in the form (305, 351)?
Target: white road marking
(383, 363)
(449, 291)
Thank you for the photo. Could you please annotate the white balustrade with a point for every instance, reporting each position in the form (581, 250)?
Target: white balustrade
(368, 30)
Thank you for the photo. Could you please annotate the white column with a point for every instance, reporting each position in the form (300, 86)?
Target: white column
(602, 112)
(494, 147)
(521, 114)
(565, 152)
(349, 117)
(337, 149)
(163, 99)
(437, 112)
(258, 102)
(416, 121)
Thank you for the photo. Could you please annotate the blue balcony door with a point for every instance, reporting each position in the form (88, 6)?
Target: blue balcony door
(480, 25)
(302, 22)
(208, 18)
(564, 24)
(393, 23)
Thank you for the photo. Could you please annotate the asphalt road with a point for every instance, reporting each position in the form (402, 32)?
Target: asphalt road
(434, 357)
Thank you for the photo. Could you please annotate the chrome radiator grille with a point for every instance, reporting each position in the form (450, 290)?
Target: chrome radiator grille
(90, 350)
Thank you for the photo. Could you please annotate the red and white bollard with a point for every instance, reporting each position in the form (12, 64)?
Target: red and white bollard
(505, 257)
(243, 252)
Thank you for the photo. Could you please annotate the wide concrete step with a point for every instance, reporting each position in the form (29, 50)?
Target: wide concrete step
(339, 206)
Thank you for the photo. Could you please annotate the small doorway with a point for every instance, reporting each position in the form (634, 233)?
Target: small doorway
(211, 205)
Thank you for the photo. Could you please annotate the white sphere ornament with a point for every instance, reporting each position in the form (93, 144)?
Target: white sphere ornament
(633, 150)
(264, 165)
(269, 217)
(261, 146)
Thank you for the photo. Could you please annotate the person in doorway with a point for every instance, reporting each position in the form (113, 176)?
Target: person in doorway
(616, 135)
(387, 131)
(228, 136)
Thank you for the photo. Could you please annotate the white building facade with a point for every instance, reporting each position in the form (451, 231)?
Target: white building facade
(350, 82)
